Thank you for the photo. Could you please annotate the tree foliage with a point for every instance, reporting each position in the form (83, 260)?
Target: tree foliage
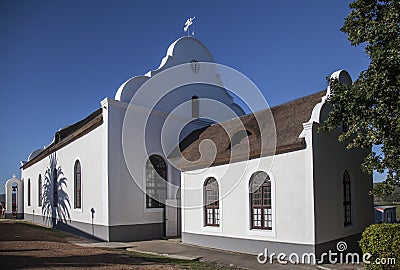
(382, 241)
(371, 105)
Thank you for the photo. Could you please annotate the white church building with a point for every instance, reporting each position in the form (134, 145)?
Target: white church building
(241, 182)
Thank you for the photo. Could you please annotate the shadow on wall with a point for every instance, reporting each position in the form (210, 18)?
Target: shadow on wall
(56, 204)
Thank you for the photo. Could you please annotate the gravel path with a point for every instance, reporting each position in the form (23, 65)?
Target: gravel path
(25, 246)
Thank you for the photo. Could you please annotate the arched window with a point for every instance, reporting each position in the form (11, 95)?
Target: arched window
(40, 190)
(195, 107)
(347, 198)
(55, 188)
(156, 186)
(29, 192)
(260, 201)
(211, 202)
(77, 184)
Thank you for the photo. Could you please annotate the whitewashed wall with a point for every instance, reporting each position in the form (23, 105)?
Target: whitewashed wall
(91, 151)
(292, 201)
(331, 159)
(126, 199)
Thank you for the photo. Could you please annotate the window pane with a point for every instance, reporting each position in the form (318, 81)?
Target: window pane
(209, 216)
(216, 216)
(257, 197)
(257, 217)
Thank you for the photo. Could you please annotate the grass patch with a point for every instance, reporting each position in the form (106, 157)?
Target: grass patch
(52, 231)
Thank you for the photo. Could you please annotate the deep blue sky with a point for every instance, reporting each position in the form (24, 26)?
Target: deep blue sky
(59, 59)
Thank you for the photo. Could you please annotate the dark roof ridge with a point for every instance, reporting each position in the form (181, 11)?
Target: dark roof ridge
(69, 134)
(62, 133)
(273, 107)
(298, 99)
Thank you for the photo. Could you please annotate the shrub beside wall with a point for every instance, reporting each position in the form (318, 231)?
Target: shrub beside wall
(382, 241)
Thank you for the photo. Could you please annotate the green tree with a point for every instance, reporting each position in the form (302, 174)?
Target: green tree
(371, 105)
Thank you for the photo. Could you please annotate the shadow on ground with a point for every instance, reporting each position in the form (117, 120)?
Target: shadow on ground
(25, 246)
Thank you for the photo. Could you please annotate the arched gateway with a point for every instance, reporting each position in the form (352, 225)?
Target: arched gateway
(14, 203)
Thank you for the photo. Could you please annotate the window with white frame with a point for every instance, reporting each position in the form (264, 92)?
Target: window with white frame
(347, 198)
(260, 201)
(156, 186)
(211, 202)
(40, 190)
(29, 192)
(55, 188)
(77, 185)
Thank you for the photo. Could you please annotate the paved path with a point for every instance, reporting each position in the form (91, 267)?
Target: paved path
(27, 246)
(175, 249)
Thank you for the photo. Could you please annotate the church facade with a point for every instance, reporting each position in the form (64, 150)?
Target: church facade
(266, 180)
(82, 181)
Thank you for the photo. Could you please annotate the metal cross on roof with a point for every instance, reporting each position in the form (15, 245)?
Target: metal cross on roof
(188, 23)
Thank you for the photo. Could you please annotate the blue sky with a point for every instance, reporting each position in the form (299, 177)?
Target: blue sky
(59, 59)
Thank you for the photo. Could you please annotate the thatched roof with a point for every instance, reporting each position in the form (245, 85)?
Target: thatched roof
(267, 132)
(69, 134)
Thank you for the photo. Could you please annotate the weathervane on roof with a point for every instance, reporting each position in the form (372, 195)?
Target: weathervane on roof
(188, 23)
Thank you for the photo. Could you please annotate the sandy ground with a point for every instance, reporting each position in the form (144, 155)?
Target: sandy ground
(23, 246)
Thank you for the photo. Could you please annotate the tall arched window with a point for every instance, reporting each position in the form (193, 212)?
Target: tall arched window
(55, 188)
(195, 107)
(211, 202)
(77, 185)
(347, 198)
(29, 192)
(40, 190)
(260, 201)
(156, 186)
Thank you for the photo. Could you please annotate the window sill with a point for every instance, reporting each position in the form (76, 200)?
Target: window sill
(215, 229)
(348, 226)
(78, 210)
(261, 232)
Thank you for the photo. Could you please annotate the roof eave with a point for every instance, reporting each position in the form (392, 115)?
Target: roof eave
(93, 121)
